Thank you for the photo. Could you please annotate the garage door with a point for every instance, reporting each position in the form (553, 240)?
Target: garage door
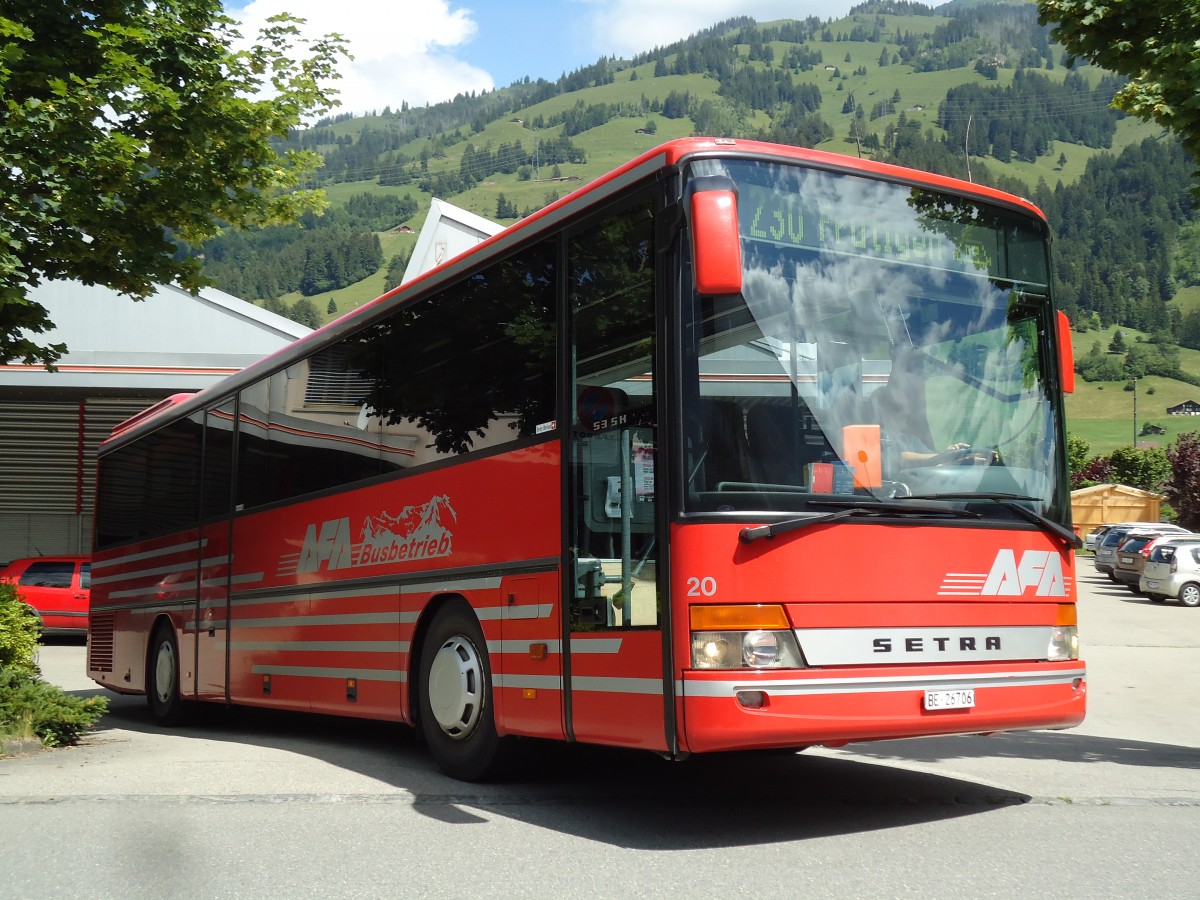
(48, 471)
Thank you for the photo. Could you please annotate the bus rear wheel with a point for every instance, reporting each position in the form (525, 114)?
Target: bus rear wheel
(162, 677)
(455, 697)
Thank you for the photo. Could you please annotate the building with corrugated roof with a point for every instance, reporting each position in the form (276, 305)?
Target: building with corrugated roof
(122, 356)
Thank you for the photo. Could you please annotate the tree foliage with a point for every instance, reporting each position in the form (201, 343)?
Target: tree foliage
(1077, 456)
(1183, 493)
(1052, 111)
(1140, 467)
(20, 630)
(130, 124)
(1155, 43)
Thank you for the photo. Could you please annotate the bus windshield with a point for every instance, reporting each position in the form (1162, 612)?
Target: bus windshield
(889, 343)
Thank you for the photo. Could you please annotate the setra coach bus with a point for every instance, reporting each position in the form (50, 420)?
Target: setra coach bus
(741, 446)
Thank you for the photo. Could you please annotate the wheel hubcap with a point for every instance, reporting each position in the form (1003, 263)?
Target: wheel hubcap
(456, 687)
(164, 672)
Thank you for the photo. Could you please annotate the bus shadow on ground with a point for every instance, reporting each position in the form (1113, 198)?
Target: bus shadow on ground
(628, 799)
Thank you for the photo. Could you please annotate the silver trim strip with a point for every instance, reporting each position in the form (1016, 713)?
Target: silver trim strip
(596, 645)
(396, 647)
(318, 672)
(186, 586)
(346, 619)
(924, 644)
(616, 685)
(521, 647)
(188, 565)
(886, 684)
(510, 613)
(536, 682)
(149, 554)
(307, 596)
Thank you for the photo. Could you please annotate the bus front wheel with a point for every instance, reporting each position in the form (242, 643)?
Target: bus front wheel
(162, 677)
(455, 696)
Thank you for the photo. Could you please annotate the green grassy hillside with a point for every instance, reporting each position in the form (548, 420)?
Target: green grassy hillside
(1102, 413)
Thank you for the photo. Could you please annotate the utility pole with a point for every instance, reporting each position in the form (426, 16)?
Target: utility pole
(967, 147)
(1135, 431)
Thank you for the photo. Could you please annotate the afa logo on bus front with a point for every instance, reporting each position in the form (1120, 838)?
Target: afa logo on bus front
(416, 532)
(1009, 576)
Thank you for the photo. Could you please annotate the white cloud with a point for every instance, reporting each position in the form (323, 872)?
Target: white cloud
(401, 53)
(629, 27)
(420, 51)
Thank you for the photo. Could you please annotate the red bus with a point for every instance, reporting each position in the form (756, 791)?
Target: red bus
(741, 446)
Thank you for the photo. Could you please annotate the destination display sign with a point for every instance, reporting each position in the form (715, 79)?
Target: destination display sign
(784, 217)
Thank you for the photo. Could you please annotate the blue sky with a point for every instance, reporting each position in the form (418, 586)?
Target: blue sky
(425, 51)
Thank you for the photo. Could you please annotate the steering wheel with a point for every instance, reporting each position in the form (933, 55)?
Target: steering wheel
(967, 456)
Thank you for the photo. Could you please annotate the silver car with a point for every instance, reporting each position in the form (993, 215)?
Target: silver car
(1094, 536)
(1106, 549)
(1173, 570)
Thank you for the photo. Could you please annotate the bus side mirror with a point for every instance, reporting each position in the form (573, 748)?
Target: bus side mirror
(716, 244)
(1066, 355)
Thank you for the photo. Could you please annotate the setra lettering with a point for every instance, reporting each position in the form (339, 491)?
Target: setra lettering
(937, 644)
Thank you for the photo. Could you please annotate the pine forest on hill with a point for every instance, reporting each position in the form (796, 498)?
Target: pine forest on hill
(896, 81)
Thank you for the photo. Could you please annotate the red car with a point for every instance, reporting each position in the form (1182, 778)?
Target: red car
(57, 587)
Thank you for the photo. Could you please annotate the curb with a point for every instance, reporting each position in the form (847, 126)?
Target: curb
(19, 747)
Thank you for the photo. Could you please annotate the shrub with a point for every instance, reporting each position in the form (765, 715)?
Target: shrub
(20, 629)
(29, 705)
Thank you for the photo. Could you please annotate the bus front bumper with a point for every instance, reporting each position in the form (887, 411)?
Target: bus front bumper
(739, 710)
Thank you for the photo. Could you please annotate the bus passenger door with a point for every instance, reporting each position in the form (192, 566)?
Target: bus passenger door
(614, 650)
(213, 559)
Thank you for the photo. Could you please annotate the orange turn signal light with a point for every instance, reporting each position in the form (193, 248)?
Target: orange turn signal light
(747, 617)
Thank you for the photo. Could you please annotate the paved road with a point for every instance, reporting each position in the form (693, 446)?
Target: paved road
(251, 806)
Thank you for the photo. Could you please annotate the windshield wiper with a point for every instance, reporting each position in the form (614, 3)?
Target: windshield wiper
(748, 535)
(1013, 502)
(851, 508)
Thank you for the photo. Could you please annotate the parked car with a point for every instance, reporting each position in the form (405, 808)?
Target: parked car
(1126, 569)
(57, 587)
(1132, 554)
(1106, 549)
(1094, 536)
(1173, 570)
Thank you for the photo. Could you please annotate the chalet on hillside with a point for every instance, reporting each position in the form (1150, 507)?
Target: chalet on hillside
(1186, 408)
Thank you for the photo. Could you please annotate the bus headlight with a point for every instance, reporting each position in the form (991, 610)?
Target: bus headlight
(745, 650)
(749, 636)
(1064, 643)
